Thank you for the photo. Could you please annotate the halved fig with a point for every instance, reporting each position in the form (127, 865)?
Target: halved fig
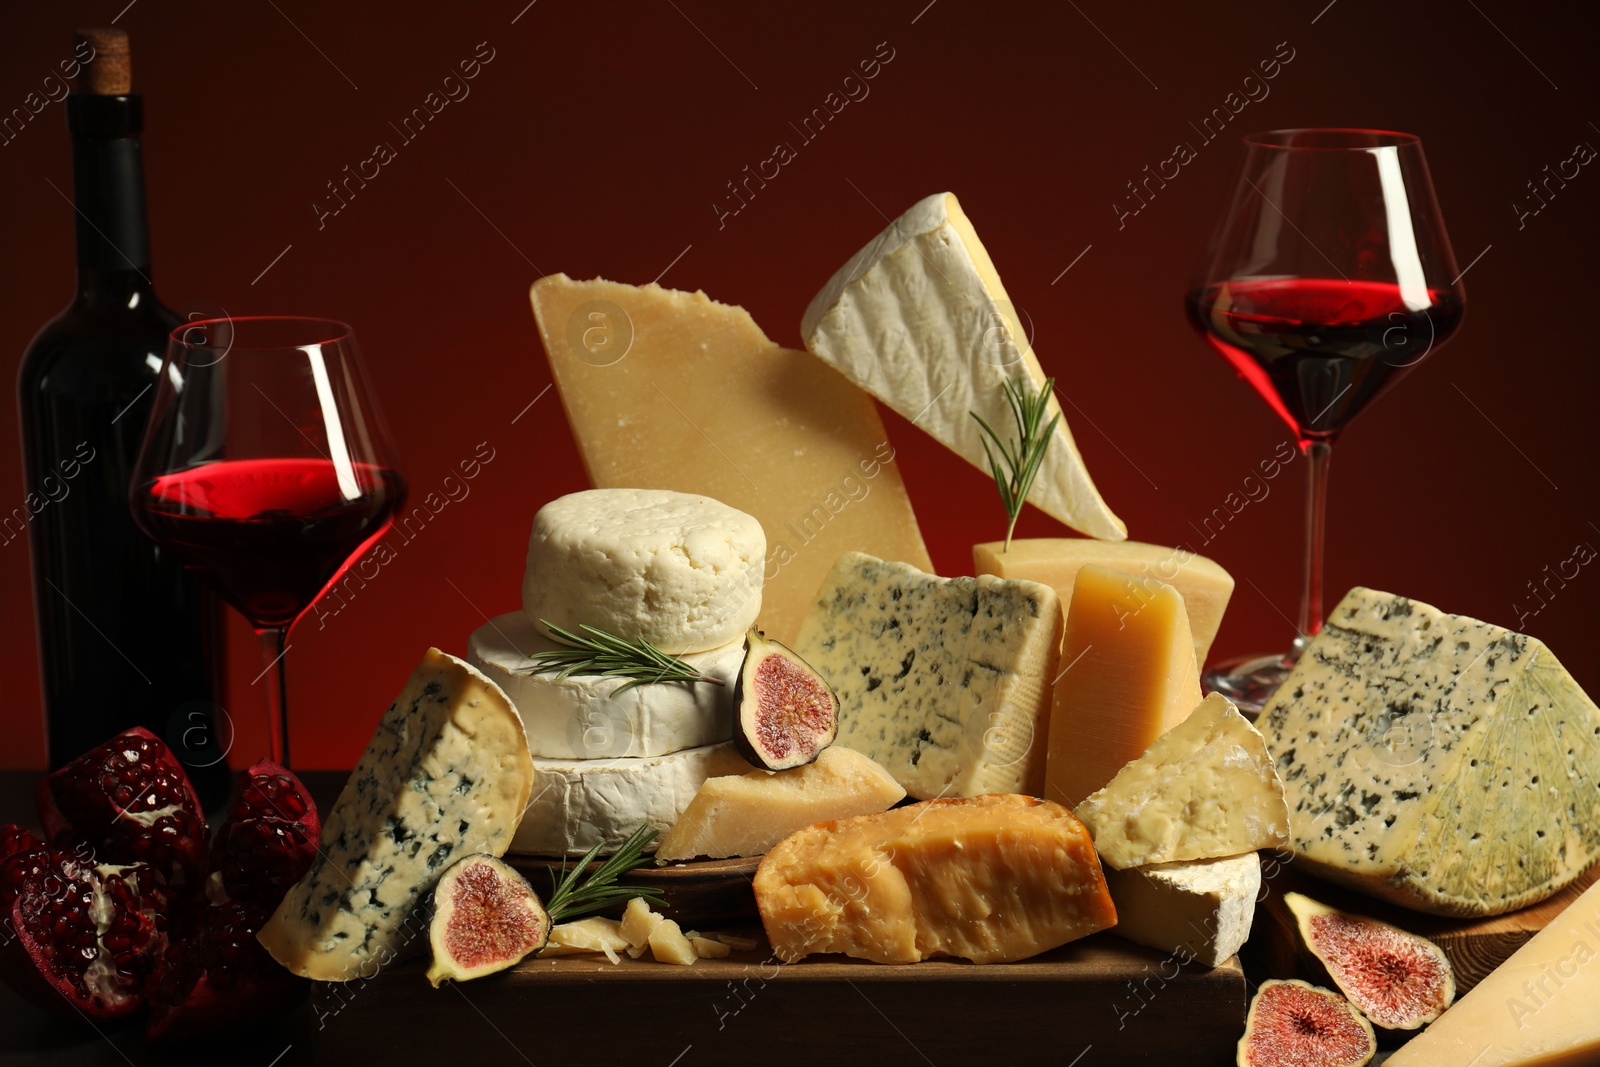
(486, 917)
(1296, 1024)
(786, 712)
(1399, 981)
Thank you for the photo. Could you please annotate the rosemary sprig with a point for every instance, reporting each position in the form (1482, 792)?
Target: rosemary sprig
(609, 656)
(1024, 456)
(580, 891)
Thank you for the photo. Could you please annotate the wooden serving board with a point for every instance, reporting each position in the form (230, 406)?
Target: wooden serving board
(1474, 946)
(1127, 1004)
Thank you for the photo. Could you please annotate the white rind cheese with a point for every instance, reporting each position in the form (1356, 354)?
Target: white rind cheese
(943, 681)
(583, 717)
(683, 572)
(447, 773)
(919, 319)
(1195, 911)
(577, 803)
(1446, 764)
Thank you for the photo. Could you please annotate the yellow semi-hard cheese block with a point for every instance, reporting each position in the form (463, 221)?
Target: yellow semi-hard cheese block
(1128, 675)
(672, 390)
(991, 879)
(1540, 1008)
(1055, 561)
(746, 814)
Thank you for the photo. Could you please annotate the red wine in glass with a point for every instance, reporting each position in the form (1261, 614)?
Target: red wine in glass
(266, 470)
(1319, 350)
(270, 534)
(1329, 279)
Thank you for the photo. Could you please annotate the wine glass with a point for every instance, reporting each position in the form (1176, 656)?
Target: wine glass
(266, 469)
(1328, 280)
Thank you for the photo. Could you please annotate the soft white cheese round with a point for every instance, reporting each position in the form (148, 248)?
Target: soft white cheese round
(681, 571)
(583, 717)
(579, 802)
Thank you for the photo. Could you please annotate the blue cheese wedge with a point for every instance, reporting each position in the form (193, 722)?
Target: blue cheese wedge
(944, 681)
(446, 774)
(1446, 764)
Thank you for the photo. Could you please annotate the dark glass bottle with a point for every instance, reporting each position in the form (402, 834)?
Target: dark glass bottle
(126, 636)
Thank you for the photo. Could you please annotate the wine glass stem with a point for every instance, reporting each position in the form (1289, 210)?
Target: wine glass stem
(272, 654)
(1318, 455)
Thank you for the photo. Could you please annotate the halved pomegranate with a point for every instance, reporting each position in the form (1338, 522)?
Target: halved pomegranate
(270, 837)
(14, 839)
(84, 937)
(221, 980)
(130, 802)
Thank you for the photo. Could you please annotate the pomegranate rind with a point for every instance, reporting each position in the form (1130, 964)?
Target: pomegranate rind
(1416, 982)
(1281, 1029)
(516, 924)
(786, 713)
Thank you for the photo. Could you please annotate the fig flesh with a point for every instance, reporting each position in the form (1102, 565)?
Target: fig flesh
(1295, 1024)
(787, 713)
(486, 917)
(1399, 981)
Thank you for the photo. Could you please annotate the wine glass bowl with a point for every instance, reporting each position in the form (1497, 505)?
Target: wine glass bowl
(266, 468)
(1328, 280)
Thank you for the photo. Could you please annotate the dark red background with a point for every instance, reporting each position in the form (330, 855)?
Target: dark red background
(596, 141)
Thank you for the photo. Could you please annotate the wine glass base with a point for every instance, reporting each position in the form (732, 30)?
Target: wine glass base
(1248, 682)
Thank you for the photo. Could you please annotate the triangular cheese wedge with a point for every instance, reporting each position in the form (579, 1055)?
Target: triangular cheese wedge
(919, 319)
(672, 390)
(1128, 677)
(1207, 788)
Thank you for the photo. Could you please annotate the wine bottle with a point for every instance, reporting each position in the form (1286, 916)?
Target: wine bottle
(126, 636)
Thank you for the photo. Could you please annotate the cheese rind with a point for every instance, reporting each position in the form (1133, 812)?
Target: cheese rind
(1205, 789)
(1195, 911)
(579, 803)
(991, 879)
(672, 390)
(919, 319)
(746, 814)
(683, 572)
(1129, 676)
(1055, 561)
(1537, 1009)
(1446, 764)
(943, 681)
(447, 773)
(583, 716)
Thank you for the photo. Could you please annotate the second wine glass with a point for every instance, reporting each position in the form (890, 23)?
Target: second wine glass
(266, 469)
(1329, 279)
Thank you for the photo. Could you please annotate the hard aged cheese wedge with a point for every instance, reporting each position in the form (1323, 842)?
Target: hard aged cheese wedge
(578, 803)
(944, 681)
(583, 716)
(1445, 764)
(1195, 911)
(1055, 561)
(673, 390)
(919, 319)
(447, 773)
(746, 814)
(1540, 1008)
(990, 879)
(1205, 789)
(681, 571)
(1128, 676)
